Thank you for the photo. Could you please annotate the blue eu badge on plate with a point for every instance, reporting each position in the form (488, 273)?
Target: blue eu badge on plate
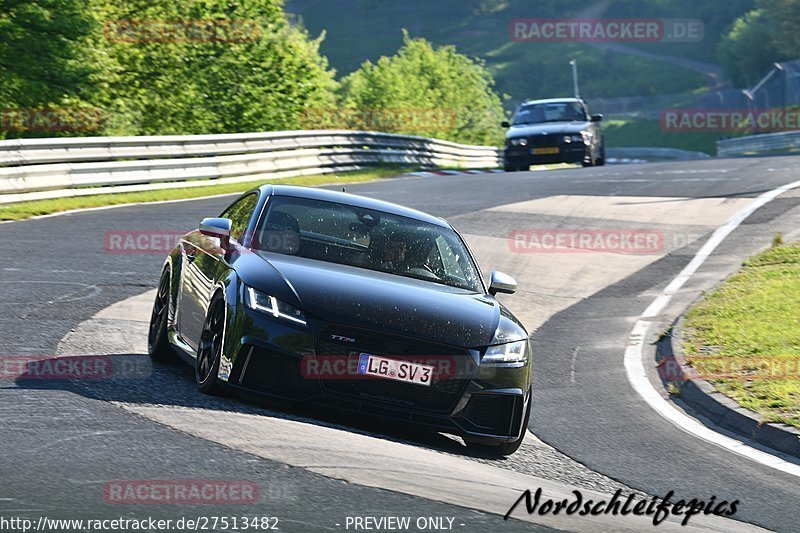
(363, 361)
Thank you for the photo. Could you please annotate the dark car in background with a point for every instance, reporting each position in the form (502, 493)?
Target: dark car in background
(313, 295)
(558, 130)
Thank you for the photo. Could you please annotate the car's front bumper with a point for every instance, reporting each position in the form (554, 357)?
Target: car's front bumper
(525, 155)
(269, 357)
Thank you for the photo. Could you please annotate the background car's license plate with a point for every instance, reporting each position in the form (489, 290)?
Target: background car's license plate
(543, 151)
(383, 367)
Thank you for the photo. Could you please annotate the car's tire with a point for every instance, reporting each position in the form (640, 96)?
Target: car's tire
(510, 168)
(506, 448)
(158, 346)
(209, 351)
(600, 161)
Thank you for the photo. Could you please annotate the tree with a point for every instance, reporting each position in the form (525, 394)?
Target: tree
(455, 92)
(213, 66)
(40, 54)
(762, 36)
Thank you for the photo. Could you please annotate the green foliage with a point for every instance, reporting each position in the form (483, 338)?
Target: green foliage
(259, 79)
(40, 54)
(480, 28)
(423, 77)
(68, 54)
(748, 50)
(716, 16)
(219, 66)
(760, 37)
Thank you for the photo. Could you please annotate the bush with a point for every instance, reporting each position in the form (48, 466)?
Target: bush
(419, 78)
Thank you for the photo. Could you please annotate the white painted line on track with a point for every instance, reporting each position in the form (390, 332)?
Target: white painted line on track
(634, 353)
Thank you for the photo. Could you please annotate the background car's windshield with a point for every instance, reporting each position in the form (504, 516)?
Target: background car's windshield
(338, 233)
(550, 112)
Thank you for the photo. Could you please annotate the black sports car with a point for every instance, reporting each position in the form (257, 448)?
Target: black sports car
(558, 130)
(308, 294)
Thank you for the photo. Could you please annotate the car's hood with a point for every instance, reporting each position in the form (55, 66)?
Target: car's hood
(344, 295)
(547, 128)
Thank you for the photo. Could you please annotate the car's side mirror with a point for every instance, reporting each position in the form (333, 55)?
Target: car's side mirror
(505, 124)
(219, 228)
(499, 282)
(597, 118)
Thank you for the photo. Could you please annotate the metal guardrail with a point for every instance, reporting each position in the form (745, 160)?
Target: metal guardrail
(756, 144)
(32, 169)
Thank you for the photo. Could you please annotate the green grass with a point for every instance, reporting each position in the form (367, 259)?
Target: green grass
(24, 210)
(631, 133)
(747, 334)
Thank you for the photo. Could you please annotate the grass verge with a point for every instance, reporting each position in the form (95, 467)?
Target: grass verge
(22, 210)
(745, 336)
(641, 132)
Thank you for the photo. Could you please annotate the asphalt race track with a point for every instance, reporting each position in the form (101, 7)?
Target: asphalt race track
(63, 441)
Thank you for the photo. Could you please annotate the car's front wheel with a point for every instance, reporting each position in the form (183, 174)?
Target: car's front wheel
(209, 351)
(602, 159)
(158, 346)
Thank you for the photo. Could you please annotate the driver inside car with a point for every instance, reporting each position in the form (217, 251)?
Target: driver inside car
(394, 254)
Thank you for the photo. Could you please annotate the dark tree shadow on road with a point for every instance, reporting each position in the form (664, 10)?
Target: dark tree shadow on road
(136, 379)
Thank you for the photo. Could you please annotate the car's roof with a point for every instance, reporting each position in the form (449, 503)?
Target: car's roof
(351, 199)
(552, 101)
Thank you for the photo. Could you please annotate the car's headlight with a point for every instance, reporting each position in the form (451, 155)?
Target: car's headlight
(518, 142)
(270, 305)
(573, 139)
(512, 352)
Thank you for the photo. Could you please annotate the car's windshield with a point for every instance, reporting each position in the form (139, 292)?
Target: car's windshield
(375, 240)
(550, 112)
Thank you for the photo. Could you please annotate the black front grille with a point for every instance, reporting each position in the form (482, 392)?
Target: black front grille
(491, 412)
(452, 366)
(542, 141)
(265, 369)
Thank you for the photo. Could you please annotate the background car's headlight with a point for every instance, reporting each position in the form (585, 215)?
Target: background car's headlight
(512, 352)
(573, 139)
(270, 305)
(518, 142)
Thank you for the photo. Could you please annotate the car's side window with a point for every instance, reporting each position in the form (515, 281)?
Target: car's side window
(240, 214)
(449, 260)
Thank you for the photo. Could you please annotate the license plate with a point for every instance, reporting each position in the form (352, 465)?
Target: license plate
(383, 367)
(545, 151)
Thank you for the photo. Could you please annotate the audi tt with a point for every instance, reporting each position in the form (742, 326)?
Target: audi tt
(312, 295)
